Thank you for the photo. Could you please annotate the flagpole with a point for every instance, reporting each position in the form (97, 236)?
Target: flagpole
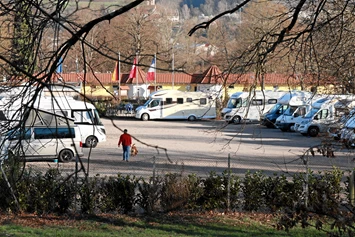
(137, 76)
(155, 72)
(119, 79)
(173, 73)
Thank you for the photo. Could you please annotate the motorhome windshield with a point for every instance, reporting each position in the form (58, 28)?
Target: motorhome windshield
(274, 108)
(234, 103)
(147, 102)
(97, 118)
(311, 113)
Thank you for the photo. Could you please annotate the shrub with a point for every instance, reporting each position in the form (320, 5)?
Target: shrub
(253, 191)
(90, 193)
(281, 193)
(176, 192)
(149, 194)
(215, 191)
(48, 193)
(118, 194)
(324, 191)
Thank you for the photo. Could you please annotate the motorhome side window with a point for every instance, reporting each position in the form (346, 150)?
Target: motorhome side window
(322, 114)
(188, 99)
(53, 133)
(62, 112)
(180, 100)
(203, 101)
(169, 101)
(302, 111)
(257, 102)
(272, 101)
(83, 116)
(154, 103)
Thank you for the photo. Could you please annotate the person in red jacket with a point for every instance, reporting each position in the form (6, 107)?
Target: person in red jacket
(126, 141)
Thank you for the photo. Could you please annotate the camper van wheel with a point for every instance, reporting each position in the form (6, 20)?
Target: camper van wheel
(191, 118)
(236, 120)
(286, 129)
(91, 141)
(270, 125)
(145, 117)
(65, 156)
(313, 131)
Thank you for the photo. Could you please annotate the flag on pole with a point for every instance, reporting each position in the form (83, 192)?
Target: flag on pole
(151, 71)
(115, 74)
(60, 66)
(132, 74)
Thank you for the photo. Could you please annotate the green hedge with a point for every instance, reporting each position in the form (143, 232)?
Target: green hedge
(53, 193)
(297, 199)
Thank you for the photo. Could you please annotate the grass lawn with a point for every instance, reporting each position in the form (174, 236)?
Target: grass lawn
(177, 224)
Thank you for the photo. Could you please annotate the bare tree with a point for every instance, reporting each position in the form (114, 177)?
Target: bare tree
(35, 37)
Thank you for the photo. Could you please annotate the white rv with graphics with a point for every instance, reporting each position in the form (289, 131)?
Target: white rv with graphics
(172, 104)
(323, 114)
(249, 106)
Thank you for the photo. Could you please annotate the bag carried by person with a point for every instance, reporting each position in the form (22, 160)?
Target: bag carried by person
(134, 150)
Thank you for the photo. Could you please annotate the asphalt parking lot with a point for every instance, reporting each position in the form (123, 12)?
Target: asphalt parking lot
(200, 147)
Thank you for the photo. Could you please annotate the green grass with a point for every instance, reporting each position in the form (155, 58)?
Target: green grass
(164, 225)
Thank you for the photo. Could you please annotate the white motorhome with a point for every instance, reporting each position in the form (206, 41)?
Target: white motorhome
(345, 130)
(249, 106)
(84, 114)
(324, 113)
(298, 107)
(172, 104)
(269, 118)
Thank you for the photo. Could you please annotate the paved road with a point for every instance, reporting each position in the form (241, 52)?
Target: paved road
(200, 147)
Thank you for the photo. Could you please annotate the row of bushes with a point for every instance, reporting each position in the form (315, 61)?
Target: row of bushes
(53, 193)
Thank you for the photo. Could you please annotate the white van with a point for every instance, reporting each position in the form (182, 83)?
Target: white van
(85, 115)
(43, 142)
(43, 136)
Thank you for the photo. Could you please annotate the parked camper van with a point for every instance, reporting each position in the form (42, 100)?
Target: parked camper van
(245, 106)
(55, 138)
(84, 114)
(323, 114)
(172, 104)
(298, 107)
(269, 118)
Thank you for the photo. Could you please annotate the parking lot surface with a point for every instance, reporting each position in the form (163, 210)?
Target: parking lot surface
(200, 147)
